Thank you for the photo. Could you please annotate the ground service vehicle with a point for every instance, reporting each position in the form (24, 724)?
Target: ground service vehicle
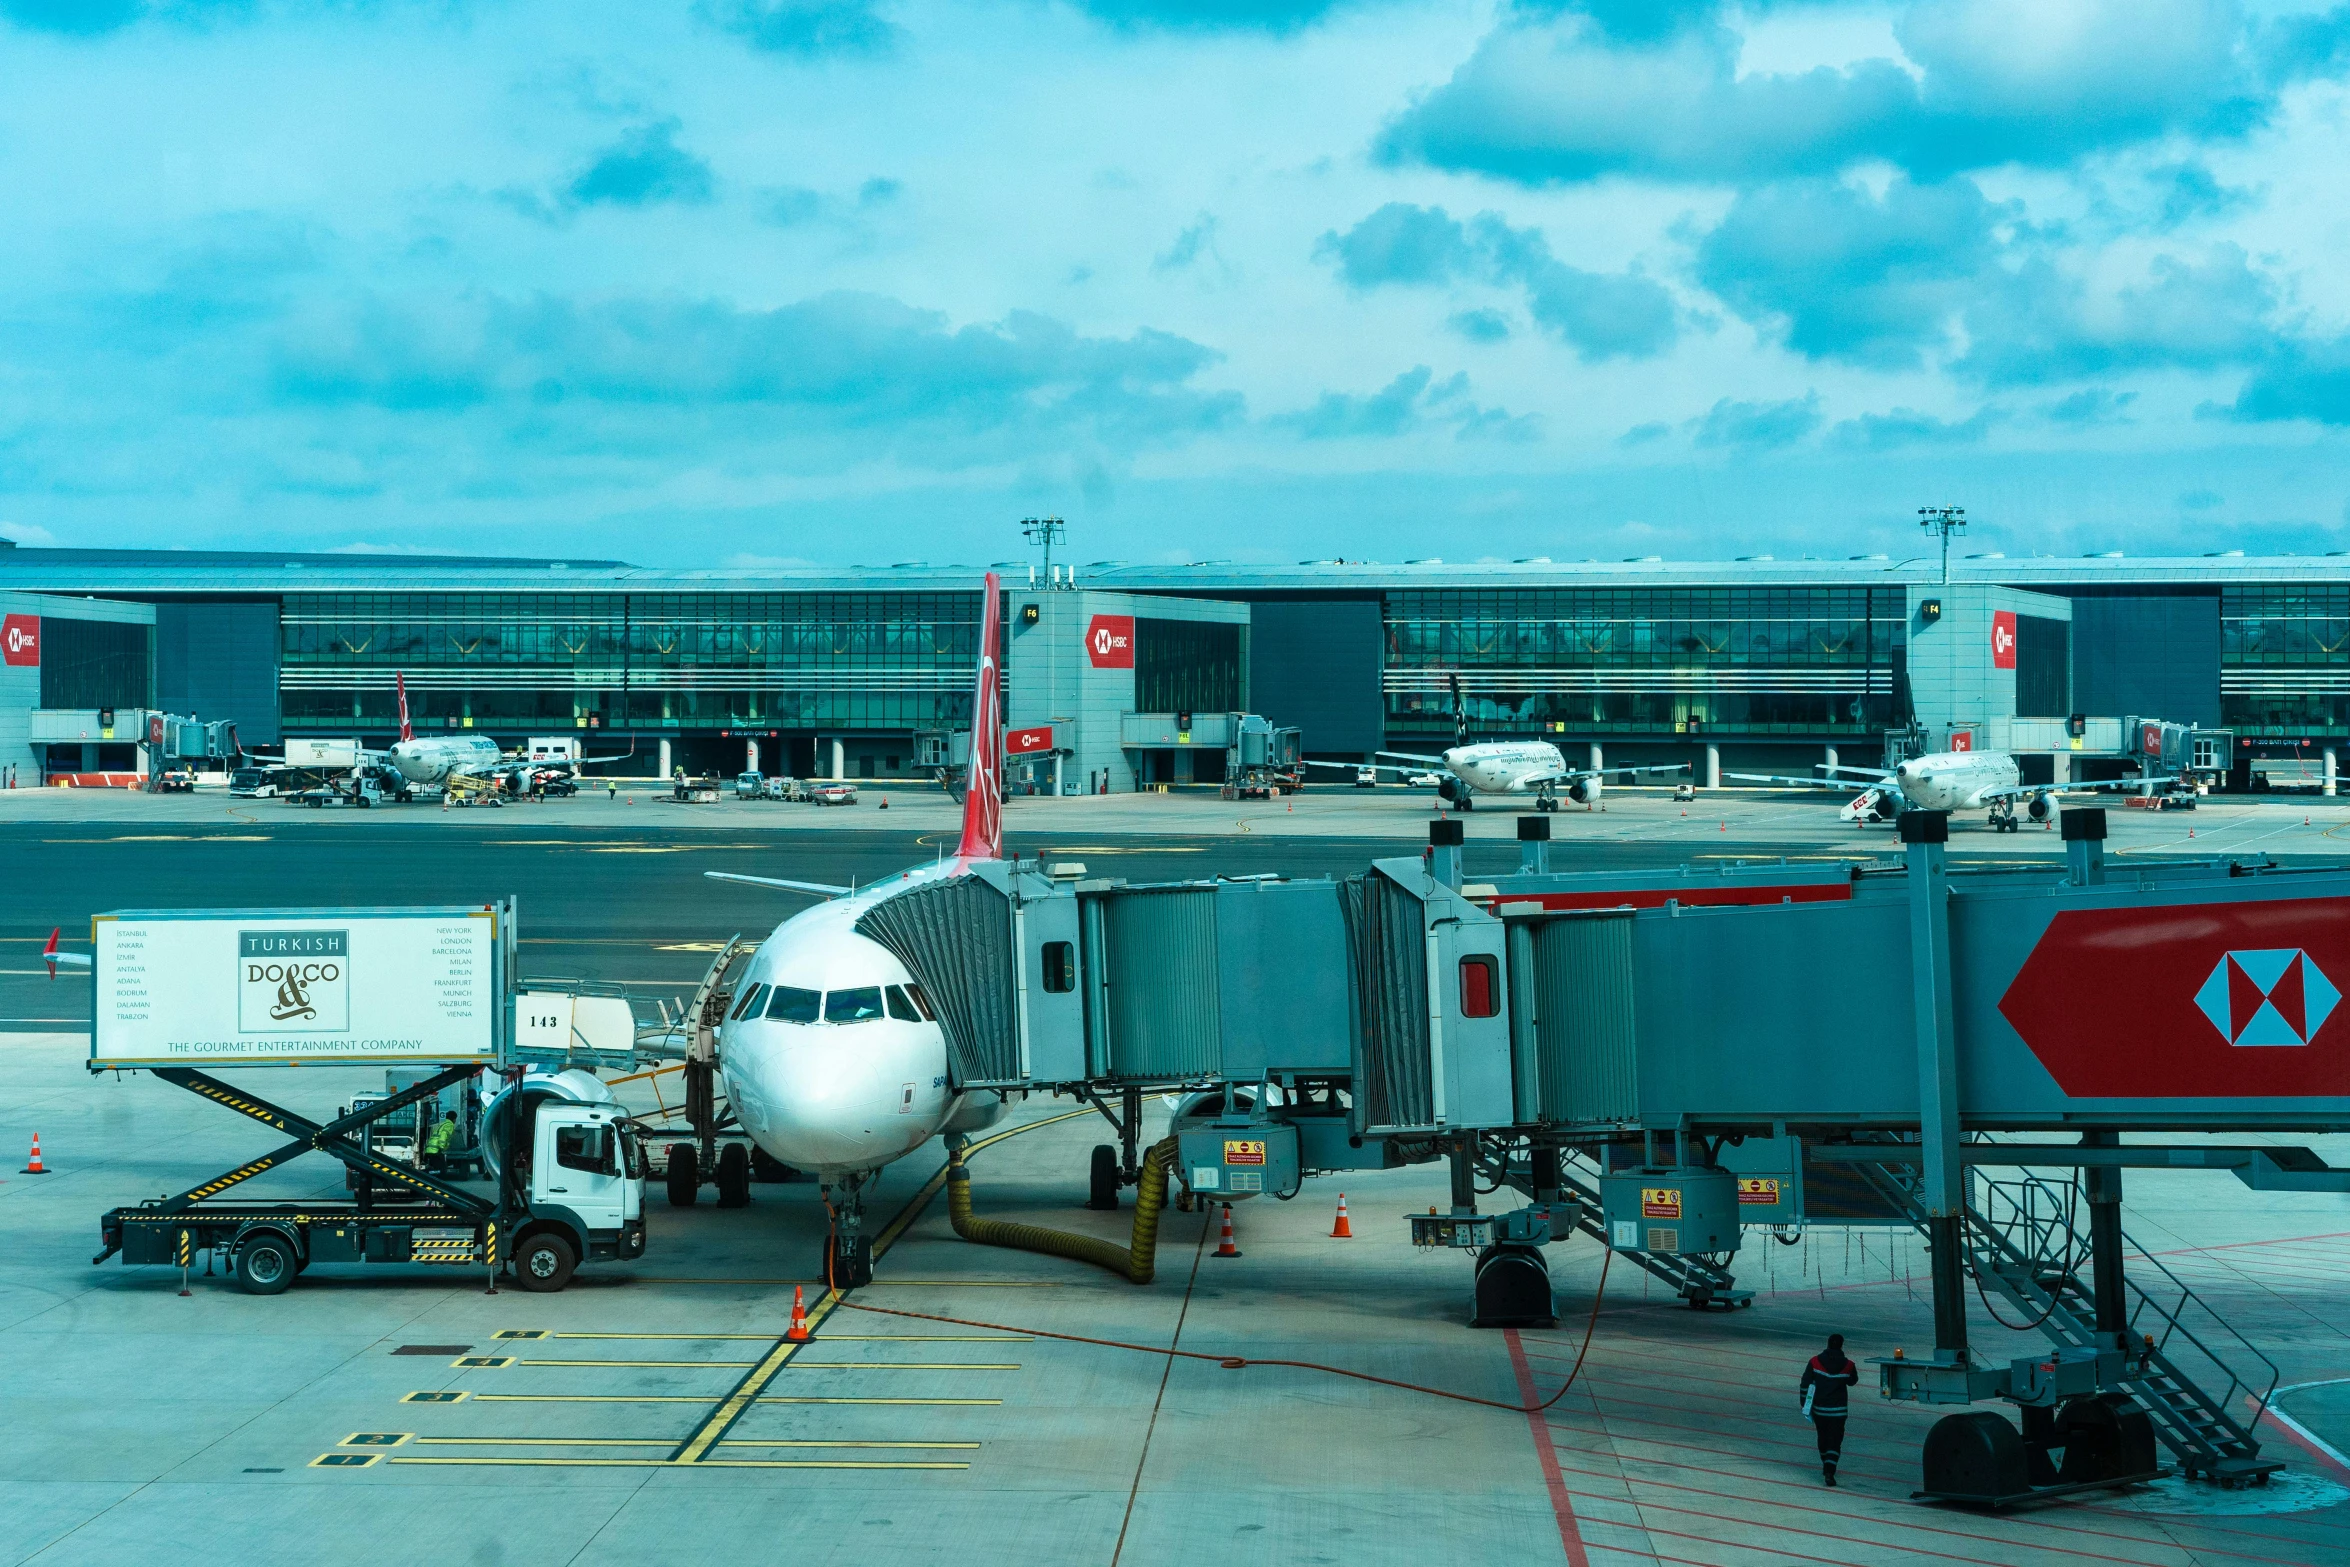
(833, 794)
(427, 992)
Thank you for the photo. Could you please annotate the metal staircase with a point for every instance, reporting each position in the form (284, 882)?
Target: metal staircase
(2023, 1244)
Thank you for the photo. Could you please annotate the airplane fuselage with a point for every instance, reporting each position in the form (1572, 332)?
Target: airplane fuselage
(1505, 766)
(1954, 780)
(831, 1054)
(431, 761)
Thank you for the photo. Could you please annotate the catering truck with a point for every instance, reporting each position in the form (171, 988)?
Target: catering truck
(427, 993)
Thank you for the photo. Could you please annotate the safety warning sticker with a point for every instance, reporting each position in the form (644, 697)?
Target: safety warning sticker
(1660, 1202)
(1243, 1152)
(1759, 1189)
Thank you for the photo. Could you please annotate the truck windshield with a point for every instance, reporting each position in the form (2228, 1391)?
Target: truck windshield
(584, 1148)
(632, 1154)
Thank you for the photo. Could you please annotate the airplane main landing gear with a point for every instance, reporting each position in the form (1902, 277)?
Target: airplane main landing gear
(2003, 819)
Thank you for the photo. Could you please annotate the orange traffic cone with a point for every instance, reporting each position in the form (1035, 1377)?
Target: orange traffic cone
(1725, 826)
(1342, 1231)
(35, 1168)
(798, 1332)
(885, 802)
(1224, 1247)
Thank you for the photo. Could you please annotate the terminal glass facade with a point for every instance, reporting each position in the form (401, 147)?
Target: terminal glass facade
(1638, 660)
(2285, 659)
(510, 661)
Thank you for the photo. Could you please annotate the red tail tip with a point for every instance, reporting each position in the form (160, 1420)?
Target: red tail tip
(983, 782)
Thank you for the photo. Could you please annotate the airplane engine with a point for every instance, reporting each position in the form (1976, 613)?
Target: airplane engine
(2039, 808)
(1584, 791)
(1453, 791)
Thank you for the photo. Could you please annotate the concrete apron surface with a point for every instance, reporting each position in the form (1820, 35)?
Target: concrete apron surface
(154, 1428)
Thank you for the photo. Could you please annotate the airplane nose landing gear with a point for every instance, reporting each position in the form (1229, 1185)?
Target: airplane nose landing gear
(848, 1250)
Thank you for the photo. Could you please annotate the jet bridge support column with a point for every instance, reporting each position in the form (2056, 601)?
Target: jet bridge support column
(1927, 833)
(2108, 1289)
(2084, 844)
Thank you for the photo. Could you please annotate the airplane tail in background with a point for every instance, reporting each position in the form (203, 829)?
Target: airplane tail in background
(1460, 713)
(983, 785)
(401, 682)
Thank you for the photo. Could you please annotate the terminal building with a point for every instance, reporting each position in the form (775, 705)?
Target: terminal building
(1745, 664)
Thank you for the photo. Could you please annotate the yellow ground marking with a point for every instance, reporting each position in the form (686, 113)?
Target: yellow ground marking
(344, 1460)
(482, 1362)
(983, 1284)
(376, 1438)
(712, 1398)
(909, 1365)
(172, 837)
(769, 1338)
(435, 1398)
(670, 1463)
(670, 1441)
(691, 1365)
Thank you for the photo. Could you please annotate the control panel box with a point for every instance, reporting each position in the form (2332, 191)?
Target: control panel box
(1239, 1161)
(1663, 1209)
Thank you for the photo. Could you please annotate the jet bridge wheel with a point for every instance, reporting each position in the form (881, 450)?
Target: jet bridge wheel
(734, 1176)
(1103, 1194)
(685, 1175)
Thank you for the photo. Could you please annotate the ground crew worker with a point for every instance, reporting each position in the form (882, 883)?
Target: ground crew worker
(436, 1141)
(1826, 1390)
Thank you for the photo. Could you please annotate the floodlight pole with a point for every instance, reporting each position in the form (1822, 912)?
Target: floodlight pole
(1047, 531)
(1944, 520)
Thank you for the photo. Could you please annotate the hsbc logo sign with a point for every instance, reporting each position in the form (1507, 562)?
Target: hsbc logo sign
(2003, 639)
(1109, 641)
(20, 641)
(2274, 996)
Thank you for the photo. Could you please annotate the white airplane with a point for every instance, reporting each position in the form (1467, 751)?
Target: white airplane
(432, 762)
(832, 1057)
(1503, 767)
(1949, 781)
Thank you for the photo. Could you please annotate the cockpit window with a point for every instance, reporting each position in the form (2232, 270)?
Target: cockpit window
(862, 1005)
(901, 1006)
(921, 1002)
(790, 1004)
(749, 1005)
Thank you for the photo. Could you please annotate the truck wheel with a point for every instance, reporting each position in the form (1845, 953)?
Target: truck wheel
(734, 1176)
(265, 1265)
(544, 1264)
(1104, 1194)
(685, 1175)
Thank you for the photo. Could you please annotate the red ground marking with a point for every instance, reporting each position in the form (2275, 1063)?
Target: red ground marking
(1570, 1538)
(2036, 1525)
(1807, 1448)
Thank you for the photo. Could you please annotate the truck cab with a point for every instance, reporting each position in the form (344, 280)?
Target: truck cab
(586, 1194)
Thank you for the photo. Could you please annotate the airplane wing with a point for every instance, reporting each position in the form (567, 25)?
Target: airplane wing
(1571, 774)
(51, 956)
(820, 889)
(1798, 783)
(1356, 767)
(1865, 772)
(1412, 756)
(2028, 791)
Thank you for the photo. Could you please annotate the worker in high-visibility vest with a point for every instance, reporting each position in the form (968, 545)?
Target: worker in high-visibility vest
(436, 1142)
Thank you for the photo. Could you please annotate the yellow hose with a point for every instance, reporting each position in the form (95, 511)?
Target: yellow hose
(1137, 1262)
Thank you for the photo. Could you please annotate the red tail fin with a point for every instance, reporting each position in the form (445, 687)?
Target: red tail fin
(49, 953)
(983, 785)
(401, 682)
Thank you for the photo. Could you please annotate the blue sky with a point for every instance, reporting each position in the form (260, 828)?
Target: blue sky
(864, 281)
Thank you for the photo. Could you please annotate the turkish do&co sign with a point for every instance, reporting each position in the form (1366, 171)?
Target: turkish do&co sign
(280, 987)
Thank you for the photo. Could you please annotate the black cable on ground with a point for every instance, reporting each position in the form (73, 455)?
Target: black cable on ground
(1239, 1362)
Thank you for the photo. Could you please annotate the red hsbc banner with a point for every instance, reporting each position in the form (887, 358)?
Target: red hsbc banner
(2226, 1000)
(1109, 641)
(1025, 742)
(2003, 639)
(20, 640)
(2150, 739)
(1962, 739)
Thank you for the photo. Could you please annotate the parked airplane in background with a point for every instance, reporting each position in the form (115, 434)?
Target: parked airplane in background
(1948, 781)
(832, 1057)
(432, 762)
(1503, 767)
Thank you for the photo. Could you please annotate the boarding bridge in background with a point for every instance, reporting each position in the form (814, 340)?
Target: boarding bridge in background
(1671, 1062)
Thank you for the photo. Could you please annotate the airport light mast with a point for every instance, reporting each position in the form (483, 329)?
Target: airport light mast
(1047, 531)
(1944, 520)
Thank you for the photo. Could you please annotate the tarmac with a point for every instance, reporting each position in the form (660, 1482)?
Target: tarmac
(224, 1427)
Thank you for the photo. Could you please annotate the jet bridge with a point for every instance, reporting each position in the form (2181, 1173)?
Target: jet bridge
(1782, 1046)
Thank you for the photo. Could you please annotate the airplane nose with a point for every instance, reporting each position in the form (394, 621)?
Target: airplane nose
(819, 1107)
